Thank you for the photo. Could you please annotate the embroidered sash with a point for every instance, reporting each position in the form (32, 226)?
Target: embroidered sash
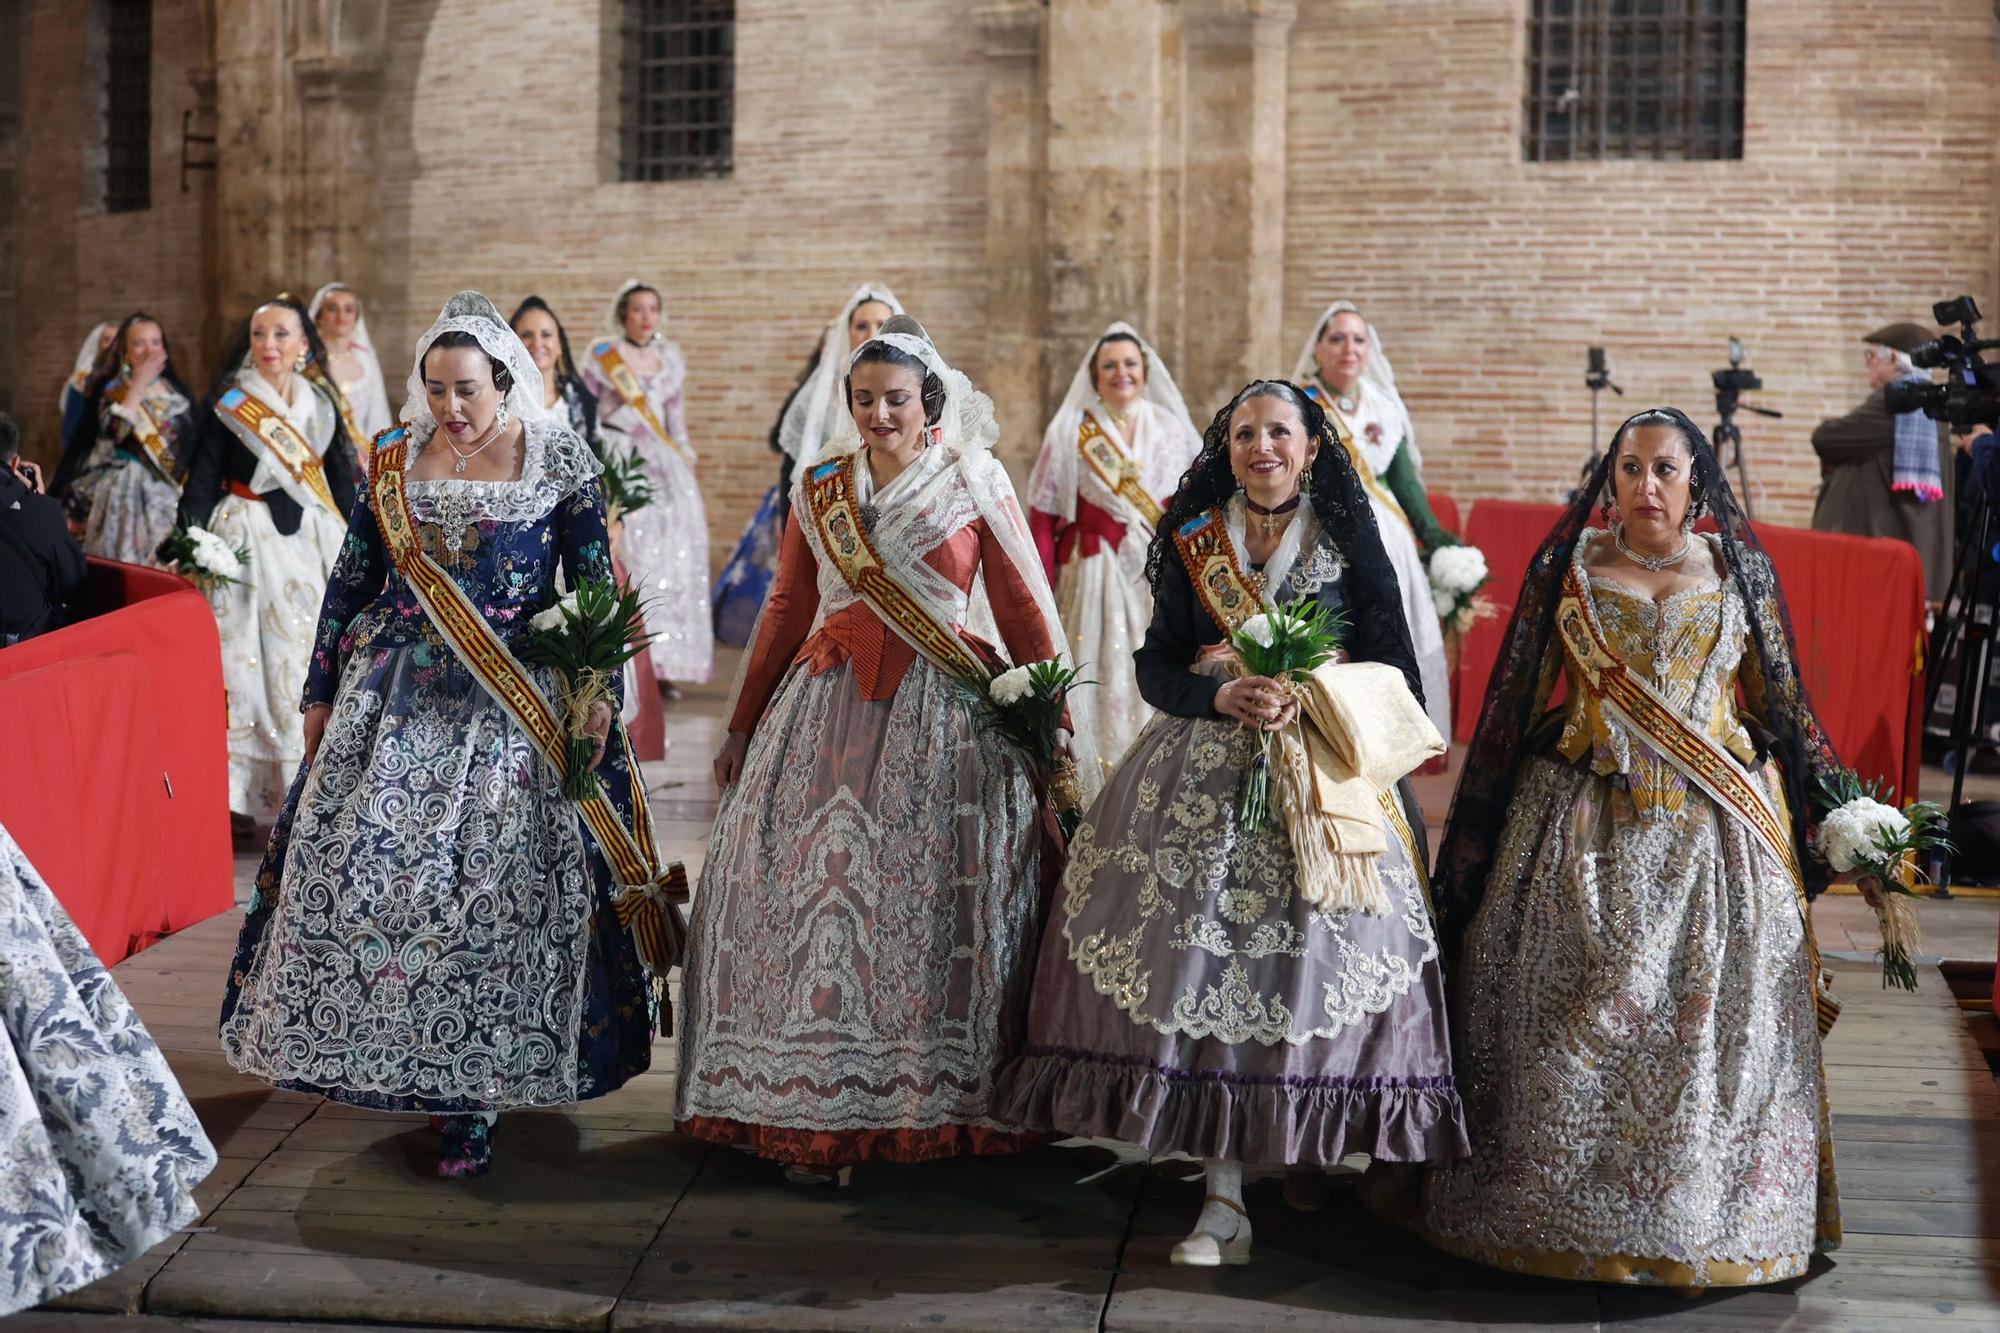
(1633, 700)
(1228, 593)
(1369, 481)
(265, 432)
(152, 446)
(626, 382)
(836, 517)
(1118, 470)
(647, 904)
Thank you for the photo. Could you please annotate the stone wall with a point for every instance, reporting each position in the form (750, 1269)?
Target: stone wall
(1021, 173)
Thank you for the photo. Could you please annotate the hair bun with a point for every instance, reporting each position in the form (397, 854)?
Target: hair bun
(904, 324)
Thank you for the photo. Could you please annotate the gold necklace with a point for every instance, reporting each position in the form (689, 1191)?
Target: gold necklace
(1276, 516)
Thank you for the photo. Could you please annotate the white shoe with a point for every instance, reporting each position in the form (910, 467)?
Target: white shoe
(1205, 1249)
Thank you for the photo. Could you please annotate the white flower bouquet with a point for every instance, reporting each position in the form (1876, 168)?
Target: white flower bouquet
(1458, 574)
(1285, 645)
(1858, 833)
(1024, 706)
(203, 558)
(588, 637)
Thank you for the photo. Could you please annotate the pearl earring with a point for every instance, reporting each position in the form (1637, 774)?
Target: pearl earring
(500, 417)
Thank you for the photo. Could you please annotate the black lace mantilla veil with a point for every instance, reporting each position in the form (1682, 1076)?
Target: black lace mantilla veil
(1339, 501)
(1531, 661)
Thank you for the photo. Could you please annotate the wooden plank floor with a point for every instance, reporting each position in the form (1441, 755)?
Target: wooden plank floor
(600, 1217)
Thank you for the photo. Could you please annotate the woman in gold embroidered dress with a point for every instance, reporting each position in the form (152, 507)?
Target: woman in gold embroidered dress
(1634, 996)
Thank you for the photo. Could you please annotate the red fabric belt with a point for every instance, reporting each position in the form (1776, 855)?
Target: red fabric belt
(238, 488)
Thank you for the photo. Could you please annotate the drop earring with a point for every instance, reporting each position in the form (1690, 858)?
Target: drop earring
(500, 416)
(299, 361)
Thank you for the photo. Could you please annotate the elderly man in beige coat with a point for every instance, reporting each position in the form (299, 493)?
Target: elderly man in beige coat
(1885, 474)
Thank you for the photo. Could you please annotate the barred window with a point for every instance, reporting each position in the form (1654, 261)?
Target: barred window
(128, 106)
(1634, 79)
(678, 79)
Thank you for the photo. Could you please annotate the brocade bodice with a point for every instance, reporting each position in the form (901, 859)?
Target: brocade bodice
(1689, 646)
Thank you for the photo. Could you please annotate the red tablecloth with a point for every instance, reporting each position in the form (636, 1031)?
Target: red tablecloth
(117, 778)
(1857, 606)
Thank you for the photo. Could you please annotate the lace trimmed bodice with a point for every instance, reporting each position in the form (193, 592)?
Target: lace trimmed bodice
(554, 463)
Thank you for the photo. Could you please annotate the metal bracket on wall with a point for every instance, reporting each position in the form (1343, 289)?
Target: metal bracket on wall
(188, 140)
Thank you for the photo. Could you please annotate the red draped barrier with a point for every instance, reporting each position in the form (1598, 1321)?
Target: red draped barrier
(1446, 510)
(1857, 606)
(117, 781)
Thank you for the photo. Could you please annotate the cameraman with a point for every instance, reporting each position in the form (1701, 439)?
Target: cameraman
(1886, 474)
(41, 566)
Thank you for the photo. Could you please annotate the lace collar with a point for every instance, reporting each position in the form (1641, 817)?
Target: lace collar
(554, 463)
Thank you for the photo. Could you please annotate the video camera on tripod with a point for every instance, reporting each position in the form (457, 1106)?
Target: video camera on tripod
(1731, 383)
(1970, 396)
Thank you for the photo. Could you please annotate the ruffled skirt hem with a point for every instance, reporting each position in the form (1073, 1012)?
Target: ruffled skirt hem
(835, 1148)
(1258, 1119)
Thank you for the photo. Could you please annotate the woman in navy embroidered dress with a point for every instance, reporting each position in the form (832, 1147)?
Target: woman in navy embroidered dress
(432, 929)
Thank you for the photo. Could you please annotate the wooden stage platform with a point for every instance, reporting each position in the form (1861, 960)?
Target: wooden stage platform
(602, 1218)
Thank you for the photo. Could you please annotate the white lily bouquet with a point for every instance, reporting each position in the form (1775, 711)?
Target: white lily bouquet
(588, 637)
(1860, 833)
(1458, 574)
(1286, 645)
(1024, 706)
(203, 558)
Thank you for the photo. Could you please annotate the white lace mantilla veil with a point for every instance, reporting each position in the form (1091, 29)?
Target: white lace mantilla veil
(816, 406)
(471, 312)
(1052, 484)
(86, 356)
(358, 341)
(916, 512)
(1376, 373)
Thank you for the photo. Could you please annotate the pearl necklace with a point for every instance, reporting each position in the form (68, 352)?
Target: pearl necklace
(1652, 564)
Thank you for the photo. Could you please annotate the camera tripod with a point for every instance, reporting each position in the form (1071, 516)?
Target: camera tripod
(1965, 626)
(1597, 378)
(1728, 441)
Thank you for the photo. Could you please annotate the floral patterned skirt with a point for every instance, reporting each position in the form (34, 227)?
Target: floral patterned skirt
(99, 1150)
(432, 929)
(1188, 1001)
(746, 580)
(862, 930)
(1639, 1051)
(131, 511)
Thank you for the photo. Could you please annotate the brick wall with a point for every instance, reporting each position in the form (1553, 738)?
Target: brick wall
(859, 155)
(79, 264)
(1864, 195)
